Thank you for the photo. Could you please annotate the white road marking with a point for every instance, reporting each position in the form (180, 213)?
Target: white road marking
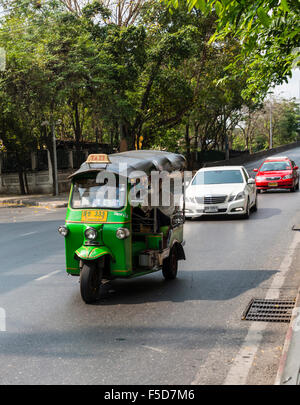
(27, 234)
(2, 320)
(47, 275)
(240, 368)
(154, 349)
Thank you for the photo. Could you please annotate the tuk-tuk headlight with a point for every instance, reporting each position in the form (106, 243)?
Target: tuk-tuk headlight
(63, 230)
(91, 233)
(122, 233)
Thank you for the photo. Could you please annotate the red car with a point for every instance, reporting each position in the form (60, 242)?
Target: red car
(277, 172)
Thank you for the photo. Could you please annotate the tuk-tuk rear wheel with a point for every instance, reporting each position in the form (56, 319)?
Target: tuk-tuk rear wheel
(170, 265)
(90, 279)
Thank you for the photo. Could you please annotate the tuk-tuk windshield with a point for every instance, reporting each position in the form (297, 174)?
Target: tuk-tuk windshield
(87, 193)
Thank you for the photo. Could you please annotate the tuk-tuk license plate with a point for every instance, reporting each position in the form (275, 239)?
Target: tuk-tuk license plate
(93, 216)
(211, 210)
(272, 184)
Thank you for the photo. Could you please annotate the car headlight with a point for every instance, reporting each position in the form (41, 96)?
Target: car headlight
(122, 233)
(259, 178)
(91, 233)
(63, 230)
(240, 195)
(288, 176)
(199, 200)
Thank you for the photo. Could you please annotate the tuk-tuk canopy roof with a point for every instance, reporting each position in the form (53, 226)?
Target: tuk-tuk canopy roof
(125, 163)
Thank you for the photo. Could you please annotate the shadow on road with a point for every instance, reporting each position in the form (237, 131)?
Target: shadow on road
(210, 285)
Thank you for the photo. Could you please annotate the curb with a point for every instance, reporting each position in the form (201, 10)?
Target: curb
(289, 365)
(52, 205)
(32, 203)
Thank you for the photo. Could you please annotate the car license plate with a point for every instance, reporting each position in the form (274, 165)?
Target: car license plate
(272, 184)
(211, 210)
(93, 216)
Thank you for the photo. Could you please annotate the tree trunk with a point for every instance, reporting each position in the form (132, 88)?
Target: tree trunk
(77, 126)
(26, 183)
(21, 181)
(188, 145)
(20, 173)
(129, 136)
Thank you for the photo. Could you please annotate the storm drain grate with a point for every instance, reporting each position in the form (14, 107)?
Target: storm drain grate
(269, 310)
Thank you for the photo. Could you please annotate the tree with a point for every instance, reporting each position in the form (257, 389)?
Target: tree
(122, 12)
(269, 32)
(255, 125)
(44, 72)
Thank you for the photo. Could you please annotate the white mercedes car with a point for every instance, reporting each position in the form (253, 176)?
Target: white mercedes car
(221, 190)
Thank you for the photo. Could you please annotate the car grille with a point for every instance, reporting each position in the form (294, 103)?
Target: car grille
(273, 178)
(215, 199)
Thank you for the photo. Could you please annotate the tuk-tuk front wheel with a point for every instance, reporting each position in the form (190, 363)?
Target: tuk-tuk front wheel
(90, 279)
(170, 265)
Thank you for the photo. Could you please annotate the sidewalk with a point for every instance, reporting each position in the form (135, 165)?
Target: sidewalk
(289, 367)
(36, 200)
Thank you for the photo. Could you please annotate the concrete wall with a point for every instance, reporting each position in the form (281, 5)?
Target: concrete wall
(39, 182)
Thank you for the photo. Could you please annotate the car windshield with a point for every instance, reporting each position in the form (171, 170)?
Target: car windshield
(89, 194)
(273, 166)
(218, 177)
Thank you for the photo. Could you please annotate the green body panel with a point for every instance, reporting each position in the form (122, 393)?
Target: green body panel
(154, 241)
(138, 247)
(93, 252)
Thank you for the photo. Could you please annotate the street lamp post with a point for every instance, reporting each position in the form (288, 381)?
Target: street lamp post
(271, 129)
(52, 125)
(54, 157)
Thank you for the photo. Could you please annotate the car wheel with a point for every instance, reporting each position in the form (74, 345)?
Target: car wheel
(254, 208)
(90, 279)
(247, 214)
(170, 265)
(297, 187)
(293, 189)
(258, 191)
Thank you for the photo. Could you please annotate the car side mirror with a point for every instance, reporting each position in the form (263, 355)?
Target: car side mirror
(296, 167)
(255, 170)
(251, 181)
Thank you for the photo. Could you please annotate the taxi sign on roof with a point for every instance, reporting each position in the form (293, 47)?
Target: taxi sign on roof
(98, 158)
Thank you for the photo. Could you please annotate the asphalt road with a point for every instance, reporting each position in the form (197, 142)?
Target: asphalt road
(147, 330)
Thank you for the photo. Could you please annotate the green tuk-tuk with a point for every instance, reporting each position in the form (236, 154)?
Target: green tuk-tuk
(109, 232)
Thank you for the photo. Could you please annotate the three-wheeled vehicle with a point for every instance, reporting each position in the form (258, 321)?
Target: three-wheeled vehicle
(110, 232)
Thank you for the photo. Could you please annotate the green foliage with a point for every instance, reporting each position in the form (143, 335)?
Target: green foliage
(161, 79)
(269, 32)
